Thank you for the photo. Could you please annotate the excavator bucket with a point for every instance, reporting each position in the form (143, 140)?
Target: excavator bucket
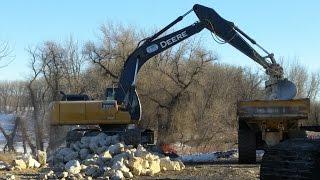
(286, 90)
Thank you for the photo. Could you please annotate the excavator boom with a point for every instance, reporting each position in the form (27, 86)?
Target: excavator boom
(208, 19)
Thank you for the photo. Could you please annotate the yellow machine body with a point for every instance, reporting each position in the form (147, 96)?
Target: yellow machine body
(88, 113)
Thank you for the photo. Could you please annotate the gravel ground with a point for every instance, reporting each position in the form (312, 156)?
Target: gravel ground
(220, 170)
(224, 170)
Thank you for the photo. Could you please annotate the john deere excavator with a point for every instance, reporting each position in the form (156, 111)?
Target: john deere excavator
(120, 111)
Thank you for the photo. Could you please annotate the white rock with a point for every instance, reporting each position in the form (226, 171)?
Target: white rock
(154, 167)
(108, 140)
(88, 178)
(10, 177)
(94, 171)
(93, 156)
(115, 139)
(85, 140)
(73, 155)
(167, 164)
(94, 144)
(106, 155)
(182, 166)
(145, 164)
(135, 165)
(19, 164)
(83, 153)
(3, 165)
(140, 151)
(116, 148)
(101, 138)
(118, 175)
(32, 163)
(83, 167)
(151, 157)
(63, 174)
(73, 167)
(101, 149)
(67, 154)
(43, 176)
(42, 157)
(89, 162)
(120, 166)
(109, 172)
(127, 175)
(120, 157)
(76, 146)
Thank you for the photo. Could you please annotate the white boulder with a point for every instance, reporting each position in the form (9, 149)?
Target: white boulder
(19, 164)
(167, 164)
(32, 163)
(94, 171)
(42, 157)
(116, 148)
(73, 167)
(83, 153)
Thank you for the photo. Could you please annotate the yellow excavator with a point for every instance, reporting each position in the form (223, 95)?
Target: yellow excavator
(264, 123)
(122, 107)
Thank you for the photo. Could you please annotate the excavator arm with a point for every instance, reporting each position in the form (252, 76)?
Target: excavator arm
(209, 19)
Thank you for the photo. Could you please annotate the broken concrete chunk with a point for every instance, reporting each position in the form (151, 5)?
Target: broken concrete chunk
(73, 167)
(19, 164)
(154, 167)
(42, 157)
(120, 166)
(135, 164)
(94, 171)
(83, 153)
(167, 164)
(105, 157)
(32, 163)
(116, 148)
(118, 175)
(127, 175)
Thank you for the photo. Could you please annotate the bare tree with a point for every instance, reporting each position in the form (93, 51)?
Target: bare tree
(179, 70)
(10, 136)
(4, 54)
(34, 99)
(116, 45)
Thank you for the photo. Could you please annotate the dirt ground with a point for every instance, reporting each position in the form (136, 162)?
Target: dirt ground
(212, 171)
(220, 170)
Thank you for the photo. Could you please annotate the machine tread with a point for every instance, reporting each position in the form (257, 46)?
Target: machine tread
(247, 146)
(292, 159)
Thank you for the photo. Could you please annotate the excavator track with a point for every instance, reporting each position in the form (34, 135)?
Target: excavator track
(292, 159)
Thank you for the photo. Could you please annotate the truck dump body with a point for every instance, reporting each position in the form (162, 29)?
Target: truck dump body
(274, 109)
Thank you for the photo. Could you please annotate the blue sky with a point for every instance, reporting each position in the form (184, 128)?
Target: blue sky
(289, 28)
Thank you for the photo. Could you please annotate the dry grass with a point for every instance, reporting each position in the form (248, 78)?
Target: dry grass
(8, 157)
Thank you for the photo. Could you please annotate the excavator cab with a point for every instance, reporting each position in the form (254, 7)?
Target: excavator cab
(110, 93)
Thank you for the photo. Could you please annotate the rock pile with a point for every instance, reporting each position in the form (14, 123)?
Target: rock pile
(26, 162)
(106, 157)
